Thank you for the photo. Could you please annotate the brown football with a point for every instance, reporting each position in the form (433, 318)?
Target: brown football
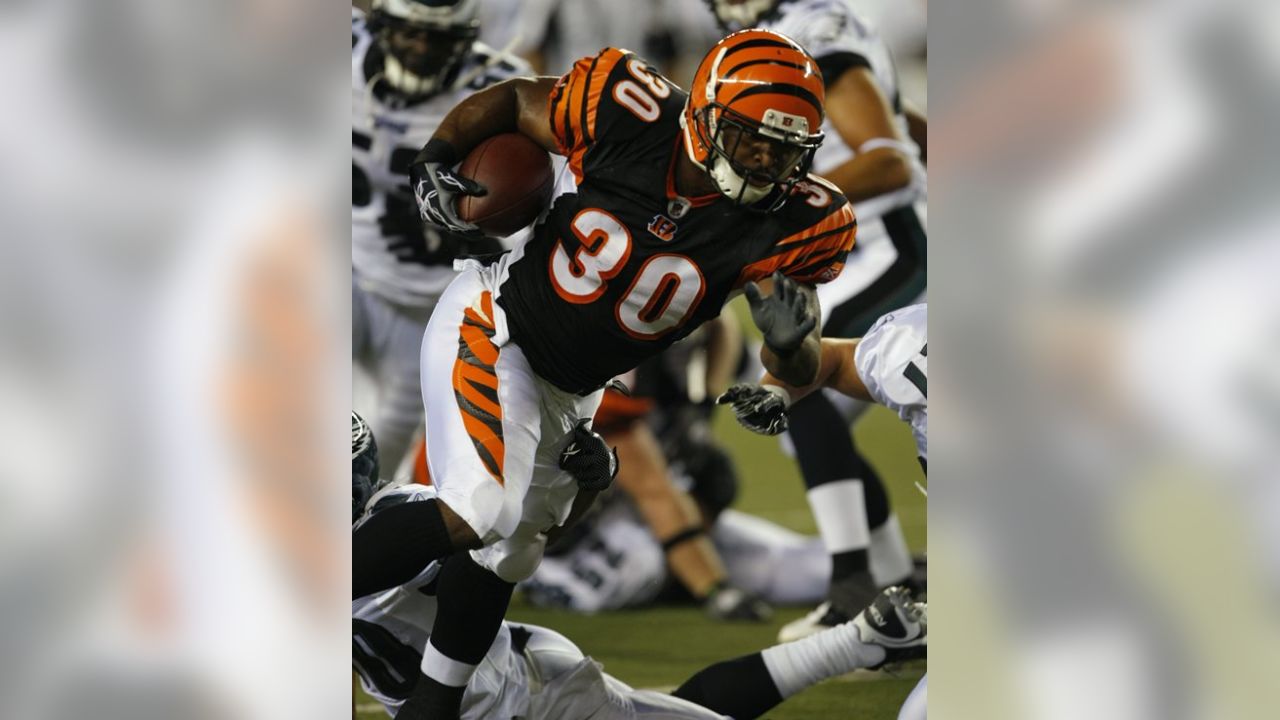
(517, 174)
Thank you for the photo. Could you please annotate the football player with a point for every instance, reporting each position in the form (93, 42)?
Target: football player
(889, 365)
(683, 200)
(411, 61)
(535, 673)
(872, 156)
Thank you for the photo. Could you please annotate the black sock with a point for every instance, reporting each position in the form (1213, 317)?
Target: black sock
(396, 544)
(824, 445)
(432, 700)
(471, 602)
(852, 587)
(740, 688)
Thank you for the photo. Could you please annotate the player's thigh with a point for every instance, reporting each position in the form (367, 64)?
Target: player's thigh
(482, 410)
(553, 490)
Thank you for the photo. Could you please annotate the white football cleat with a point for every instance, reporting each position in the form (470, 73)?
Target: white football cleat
(823, 617)
(896, 624)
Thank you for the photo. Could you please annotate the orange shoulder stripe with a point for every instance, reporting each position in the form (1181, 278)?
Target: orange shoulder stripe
(842, 216)
(575, 102)
(808, 249)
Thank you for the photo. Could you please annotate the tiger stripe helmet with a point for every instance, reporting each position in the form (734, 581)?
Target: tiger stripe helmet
(762, 85)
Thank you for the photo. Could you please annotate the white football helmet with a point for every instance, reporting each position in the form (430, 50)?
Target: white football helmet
(424, 42)
(739, 14)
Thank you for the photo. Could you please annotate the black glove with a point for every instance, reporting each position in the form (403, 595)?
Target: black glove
(759, 408)
(436, 188)
(783, 317)
(730, 603)
(588, 459)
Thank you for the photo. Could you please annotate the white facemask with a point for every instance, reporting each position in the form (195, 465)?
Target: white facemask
(742, 15)
(731, 183)
(405, 80)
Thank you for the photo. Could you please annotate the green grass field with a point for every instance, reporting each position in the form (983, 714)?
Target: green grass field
(661, 647)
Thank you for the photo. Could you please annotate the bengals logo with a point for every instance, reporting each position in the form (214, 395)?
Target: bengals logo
(663, 227)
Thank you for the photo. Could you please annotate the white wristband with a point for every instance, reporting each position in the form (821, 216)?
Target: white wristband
(892, 143)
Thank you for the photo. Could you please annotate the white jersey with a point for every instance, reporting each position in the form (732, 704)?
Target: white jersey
(384, 139)
(893, 361)
(839, 39)
(617, 563)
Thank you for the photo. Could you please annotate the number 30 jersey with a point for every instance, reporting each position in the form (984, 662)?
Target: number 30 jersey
(624, 267)
(893, 361)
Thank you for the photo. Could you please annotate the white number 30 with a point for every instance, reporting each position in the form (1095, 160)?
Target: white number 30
(663, 296)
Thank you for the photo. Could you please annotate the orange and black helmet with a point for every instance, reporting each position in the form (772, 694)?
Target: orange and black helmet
(755, 86)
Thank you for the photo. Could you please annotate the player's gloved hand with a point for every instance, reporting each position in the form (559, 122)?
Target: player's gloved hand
(759, 408)
(436, 188)
(783, 317)
(588, 459)
(730, 603)
(364, 465)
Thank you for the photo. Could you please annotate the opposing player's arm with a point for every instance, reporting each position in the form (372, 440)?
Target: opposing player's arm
(671, 514)
(836, 370)
(864, 119)
(794, 362)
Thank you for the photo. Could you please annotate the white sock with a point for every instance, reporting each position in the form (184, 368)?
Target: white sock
(444, 669)
(889, 558)
(797, 665)
(917, 703)
(840, 510)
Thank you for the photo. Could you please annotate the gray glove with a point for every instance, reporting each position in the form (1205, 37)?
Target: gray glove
(783, 317)
(436, 189)
(759, 408)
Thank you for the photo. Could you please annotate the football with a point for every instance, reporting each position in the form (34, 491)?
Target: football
(517, 173)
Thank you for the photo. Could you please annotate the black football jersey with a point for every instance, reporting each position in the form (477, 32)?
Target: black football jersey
(624, 267)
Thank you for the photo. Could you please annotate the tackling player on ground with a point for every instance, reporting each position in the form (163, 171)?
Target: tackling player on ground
(682, 201)
(535, 673)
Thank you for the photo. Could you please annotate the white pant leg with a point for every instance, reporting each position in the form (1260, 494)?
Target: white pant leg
(617, 564)
(495, 430)
(385, 342)
(780, 566)
(917, 703)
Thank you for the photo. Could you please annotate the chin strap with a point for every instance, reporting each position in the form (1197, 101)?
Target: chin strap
(734, 185)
